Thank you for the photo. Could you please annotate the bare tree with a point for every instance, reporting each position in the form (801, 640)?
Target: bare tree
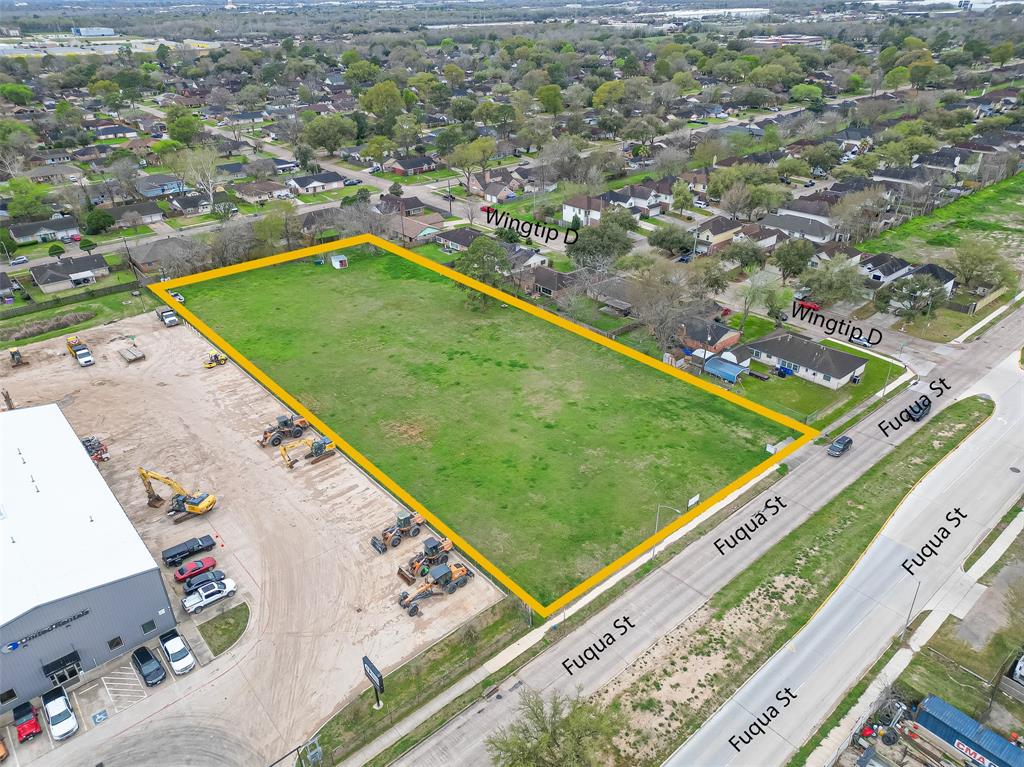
(735, 199)
(656, 295)
(125, 171)
(199, 167)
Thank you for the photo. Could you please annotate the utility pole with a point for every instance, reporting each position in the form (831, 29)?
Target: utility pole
(657, 523)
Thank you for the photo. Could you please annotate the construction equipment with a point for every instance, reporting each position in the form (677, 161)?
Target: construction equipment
(181, 501)
(407, 524)
(434, 553)
(97, 450)
(16, 357)
(131, 354)
(286, 426)
(213, 359)
(442, 579)
(319, 449)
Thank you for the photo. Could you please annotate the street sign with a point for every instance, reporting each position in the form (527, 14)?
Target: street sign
(376, 678)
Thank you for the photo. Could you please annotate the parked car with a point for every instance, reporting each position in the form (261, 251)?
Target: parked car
(839, 446)
(448, 197)
(179, 657)
(809, 183)
(700, 204)
(177, 296)
(175, 555)
(76, 237)
(351, 182)
(59, 714)
(148, 666)
(207, 595)
(861, 341)
(193, 568)
(19, 260)
(809, 304)
(26, 723)
(487, 209)
(210, 576)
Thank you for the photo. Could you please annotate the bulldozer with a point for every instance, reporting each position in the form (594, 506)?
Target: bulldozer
(213, 359)
(442, 579)
(407, 524)
(434, 553)
(182, 500)
(319, 449)
(287, 426)
(16, 357)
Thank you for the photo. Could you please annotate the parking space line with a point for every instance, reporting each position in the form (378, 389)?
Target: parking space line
(78, 708)
(13, 749)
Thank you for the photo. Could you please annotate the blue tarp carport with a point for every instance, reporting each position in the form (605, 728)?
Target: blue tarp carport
(727, 371)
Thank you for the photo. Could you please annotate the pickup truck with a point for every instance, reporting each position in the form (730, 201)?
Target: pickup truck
(167, 316)
(207, 595)
(60, 717)
(175, 555)
(79, 351)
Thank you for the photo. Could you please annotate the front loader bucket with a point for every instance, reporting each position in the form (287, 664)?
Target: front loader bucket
(378, 545)
(406, 575)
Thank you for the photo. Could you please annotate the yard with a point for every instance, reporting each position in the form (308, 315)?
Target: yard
(420, 178)
(945, 324)
(331, 195)
(95, 311)
(547, 452)
(128, 232)
(435, 252)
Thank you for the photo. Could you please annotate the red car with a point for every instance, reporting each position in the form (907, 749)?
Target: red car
(487, 209)
(76, 237)
(195, 567)
(809, 304)
(25, 722)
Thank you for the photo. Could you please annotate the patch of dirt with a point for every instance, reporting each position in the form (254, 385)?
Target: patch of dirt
(994, 609)
(405, 433)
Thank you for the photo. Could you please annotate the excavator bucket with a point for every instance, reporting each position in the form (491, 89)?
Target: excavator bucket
(155, 501)
(378, 545)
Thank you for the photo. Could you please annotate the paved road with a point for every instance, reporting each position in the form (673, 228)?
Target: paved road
(672, 593)
(832, 652)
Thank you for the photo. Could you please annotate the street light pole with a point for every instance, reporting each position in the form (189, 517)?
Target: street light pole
(888, 370)
(657, 523)
(910, 612)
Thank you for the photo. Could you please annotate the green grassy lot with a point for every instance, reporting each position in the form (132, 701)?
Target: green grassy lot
(944, 324)
(480, 405)
(186, 221)
(755, 328)
(223, 631)
(330, 195)
(435, 252)
(128, 232)
(104, 309)
(991, 537)
(420, 178)
(114, 278)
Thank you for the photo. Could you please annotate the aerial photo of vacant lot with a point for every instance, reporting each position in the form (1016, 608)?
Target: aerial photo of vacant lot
(547, 452)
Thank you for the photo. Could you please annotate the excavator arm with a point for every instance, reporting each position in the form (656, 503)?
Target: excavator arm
(196, 503)
(285, 447)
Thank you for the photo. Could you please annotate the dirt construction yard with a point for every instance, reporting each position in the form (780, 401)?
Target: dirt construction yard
(297, 544)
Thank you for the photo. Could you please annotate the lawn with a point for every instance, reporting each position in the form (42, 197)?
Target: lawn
(223, 631)
(945, 324)
(104, 309)
(756, 326)
(435, 252)
(331, 195)
(420, 178)
(127, 232)
(547, 452)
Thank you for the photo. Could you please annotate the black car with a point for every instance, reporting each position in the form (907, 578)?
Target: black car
(921, 412)
(175, 555)
(149, 668)
(840, 446)
(210, 576)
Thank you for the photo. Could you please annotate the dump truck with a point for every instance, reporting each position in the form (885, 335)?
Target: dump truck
(79, 351)
(167, 316)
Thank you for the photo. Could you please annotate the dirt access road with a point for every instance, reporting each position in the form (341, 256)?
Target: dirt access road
(296, 542)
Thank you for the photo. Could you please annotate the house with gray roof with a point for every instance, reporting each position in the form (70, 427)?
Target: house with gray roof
(69, 273)
(48, 230)
(798, 226)
(806, 359)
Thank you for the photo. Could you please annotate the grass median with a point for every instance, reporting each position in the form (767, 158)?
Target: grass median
(221, 632)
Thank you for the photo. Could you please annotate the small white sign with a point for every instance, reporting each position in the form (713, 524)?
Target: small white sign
(693, 501)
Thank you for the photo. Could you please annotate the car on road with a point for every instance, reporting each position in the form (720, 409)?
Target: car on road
(26, 723)
(448, 197)
(523, 163)
(207, 595)
(809, 183)
(801, 293)
(921, 412)
(19, 260)
(210, 576)
(196, 567)
(861, 341)
(177, 296)
(148, 666)
(179, 657)
(351, 182)
(809, 304)
(840, 445)
(487, 209)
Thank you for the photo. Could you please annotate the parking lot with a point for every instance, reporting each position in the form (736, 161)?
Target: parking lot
(296, 542)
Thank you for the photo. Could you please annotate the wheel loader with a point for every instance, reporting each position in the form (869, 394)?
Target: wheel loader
(434, 552)
(287, 427)
(442, 579)
(407, 524)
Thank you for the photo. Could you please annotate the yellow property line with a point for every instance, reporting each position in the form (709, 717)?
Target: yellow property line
(807, 433)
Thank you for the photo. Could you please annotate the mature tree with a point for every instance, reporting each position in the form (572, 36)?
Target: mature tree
(609, 93)
(674, 240)
(746, 253)
(920, 294)
(682, 197)
(858, 214)
(485, 261)
(561, 731)
(619, 216)
(735, 199)
(16, 93)
(805, 92)
(184, 129)
(1001, 53)
(834, 281)
(383, 100)
(7, 243)
(550, 98)
(380, 148)
(775, 301)
(88, 245)
(56, 249)
(468, 158)
(979, 264)
(27, 199)
(199, 168)
(454, 75)
(656, 294)
(125, 170)
(754, 292)
(793, 166)
(708, 278)
(331, 132)
(304, 156)
(406, 131)
(98, 221)
(599, 247)
(792, 257)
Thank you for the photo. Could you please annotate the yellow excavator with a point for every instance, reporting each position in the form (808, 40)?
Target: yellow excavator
(319, 449)
(181, 501)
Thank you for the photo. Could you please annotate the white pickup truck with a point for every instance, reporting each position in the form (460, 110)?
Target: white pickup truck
(207, 594)
(60, 717)
(167, 316)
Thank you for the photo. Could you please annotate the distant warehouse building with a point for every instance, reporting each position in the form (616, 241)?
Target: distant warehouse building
(77, 585)
(92, 32)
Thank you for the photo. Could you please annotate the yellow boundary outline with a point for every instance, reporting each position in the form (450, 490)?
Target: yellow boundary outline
(162, 289)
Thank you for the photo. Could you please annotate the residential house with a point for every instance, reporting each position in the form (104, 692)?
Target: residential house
(232, 171)
(809, 360)
(162, 256)
(883, 268)
(44, 231)
(411, 165)
(261, 191)
(764, 237)
(105, 132)
(709, 335)
(69, 273)
(915, 177)
(833, 251)
(159, 185)
(800, 227)
(243, 118)
(195, 203)
(318, 182)
(521, 259)
(138, 214)
(554, 284)
(407, 206)
(940, 274)
(584, 209)
(697, 180)
(494, 185)
(416, 229)
(716, 233)
(284, 166)
(638, 199)
(6, 288)
(457, 240)
(615, 294)
(536, 178)
(50, 157)
(54, 174)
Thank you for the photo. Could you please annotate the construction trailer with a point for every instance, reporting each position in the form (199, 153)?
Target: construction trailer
(961, 735)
